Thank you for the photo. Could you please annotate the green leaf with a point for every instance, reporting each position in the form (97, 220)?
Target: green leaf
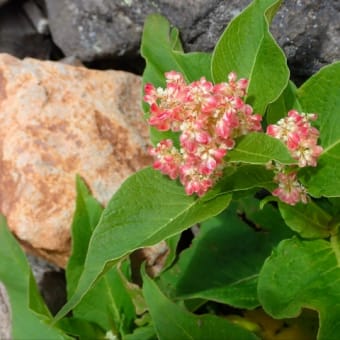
(31, 318)
(108, 303)
(173, 322)
(248, 48)
(147, 209)
(86, 217)
(142, 333)
(81, 329)
(259, 148)
(242, 178)
(163, 52)
(320, 94)
(225, 258)
(304, 274)
(309, 220)
(172, 243)
(282, 105)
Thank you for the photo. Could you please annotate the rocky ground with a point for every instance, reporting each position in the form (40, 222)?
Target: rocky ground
(103, 35)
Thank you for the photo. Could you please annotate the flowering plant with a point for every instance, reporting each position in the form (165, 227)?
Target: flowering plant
(246, 166)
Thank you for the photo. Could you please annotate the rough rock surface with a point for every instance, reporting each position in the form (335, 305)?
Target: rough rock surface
(57, 121)
(51, 282)
(18, 34)
(2, 2)
(5, 314)
(308, 30)
(100, 29)
(309, 33)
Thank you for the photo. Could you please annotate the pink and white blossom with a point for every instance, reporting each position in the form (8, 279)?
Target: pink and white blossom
(299, 136)
(301, 139)
(209, 117)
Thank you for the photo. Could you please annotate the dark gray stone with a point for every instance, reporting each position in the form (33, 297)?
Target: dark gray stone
(97, 29)
(309, 33)
(51, 282)
(3, 2)
(19, 37)
(308, 30)
(52, 286)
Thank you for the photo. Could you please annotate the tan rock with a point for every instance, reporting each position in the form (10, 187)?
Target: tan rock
(56, 121)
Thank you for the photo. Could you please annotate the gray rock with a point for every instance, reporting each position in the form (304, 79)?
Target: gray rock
(19, 37)
(94, 29)
(309, 33)
(5, 314)
(51, 282)
(2, 2)
(308, 30)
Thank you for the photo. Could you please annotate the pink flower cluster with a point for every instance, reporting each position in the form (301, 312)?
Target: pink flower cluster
(208, 117)
(301, 138)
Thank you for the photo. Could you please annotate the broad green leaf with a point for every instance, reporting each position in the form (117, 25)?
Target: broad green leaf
(86, 216)
(242, 178)
(309, 220)
(320, 94)
(108, 303)
(259, 148)
(134, 291)
(248, 48)
(304, 274)
(81, 329)
(142, 333)
(172, 243)
(31, 318)
(225, 258)
(172, 322)
(304, 327)
(147, 209)
(282, 105)
(163, 52)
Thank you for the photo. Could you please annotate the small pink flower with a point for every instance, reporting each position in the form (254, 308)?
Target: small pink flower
(209, 117)
(167, 158)
(290, 190)
(299, 136)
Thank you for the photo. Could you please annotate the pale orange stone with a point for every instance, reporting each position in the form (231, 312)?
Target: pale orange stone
(57, 121)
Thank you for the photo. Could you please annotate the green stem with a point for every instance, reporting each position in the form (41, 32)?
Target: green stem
(334, 224)
(335, 244)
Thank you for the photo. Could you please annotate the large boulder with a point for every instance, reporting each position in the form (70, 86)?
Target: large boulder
(96, 29)
(57, 121)
(307, 30)
(24, 31)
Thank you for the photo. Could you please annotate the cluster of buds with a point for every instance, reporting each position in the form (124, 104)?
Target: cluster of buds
(301, 138)
(289, 189)
(208, 117)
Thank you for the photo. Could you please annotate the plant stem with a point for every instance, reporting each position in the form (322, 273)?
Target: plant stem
(335, 243)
